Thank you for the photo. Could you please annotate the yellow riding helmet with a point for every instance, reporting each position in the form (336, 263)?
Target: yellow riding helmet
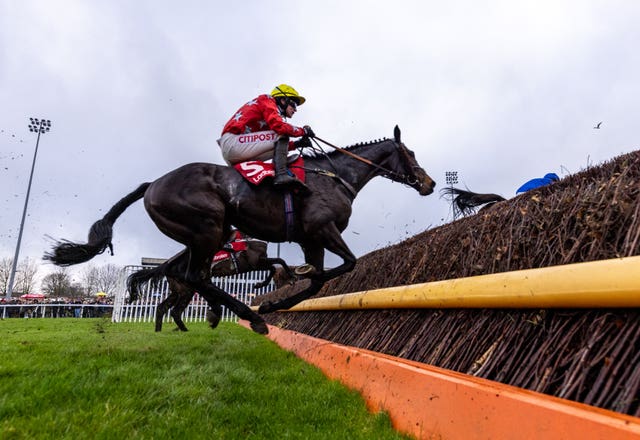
(286, 91)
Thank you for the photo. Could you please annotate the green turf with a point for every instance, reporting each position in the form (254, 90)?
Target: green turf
(90, 378)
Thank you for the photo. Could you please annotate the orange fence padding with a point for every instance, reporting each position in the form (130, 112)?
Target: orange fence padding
(429, 402)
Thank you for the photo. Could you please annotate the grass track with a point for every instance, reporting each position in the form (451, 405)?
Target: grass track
(90, 378)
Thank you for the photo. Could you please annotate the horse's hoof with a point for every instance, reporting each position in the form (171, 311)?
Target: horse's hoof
(260, 327)
(266, 307)
(304, 269)
(214, 315)
(213, 320)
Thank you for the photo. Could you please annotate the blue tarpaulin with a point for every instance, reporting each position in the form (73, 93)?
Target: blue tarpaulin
(538, 182)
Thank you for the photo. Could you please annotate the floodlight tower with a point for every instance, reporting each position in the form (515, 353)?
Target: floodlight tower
(451, 178)
(39, 126)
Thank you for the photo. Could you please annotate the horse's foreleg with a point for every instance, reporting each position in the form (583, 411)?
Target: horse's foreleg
(269, 264)
(333, 242)
(287, 303)
(267, 280)
(284, 265)
(313, 255)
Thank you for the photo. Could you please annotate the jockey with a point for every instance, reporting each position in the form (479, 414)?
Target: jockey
(259, 131)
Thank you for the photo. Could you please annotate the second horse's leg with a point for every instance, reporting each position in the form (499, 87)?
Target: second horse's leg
(214, 315)
(180, 307)
(179, 298)
(214, 295)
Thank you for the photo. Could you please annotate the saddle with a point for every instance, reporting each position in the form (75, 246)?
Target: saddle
(255, 171)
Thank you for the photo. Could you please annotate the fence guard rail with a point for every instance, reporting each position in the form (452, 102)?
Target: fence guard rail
(598, 284)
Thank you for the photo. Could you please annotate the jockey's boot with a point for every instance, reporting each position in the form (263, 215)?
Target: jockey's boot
(282, 178)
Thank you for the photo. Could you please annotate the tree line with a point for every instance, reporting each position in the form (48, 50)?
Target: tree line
(61, 282)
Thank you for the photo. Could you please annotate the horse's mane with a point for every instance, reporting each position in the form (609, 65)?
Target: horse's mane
(317, 152)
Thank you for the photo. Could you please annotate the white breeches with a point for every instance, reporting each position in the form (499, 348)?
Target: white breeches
(238, 148)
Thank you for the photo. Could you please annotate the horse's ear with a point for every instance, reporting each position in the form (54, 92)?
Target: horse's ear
(396, 134)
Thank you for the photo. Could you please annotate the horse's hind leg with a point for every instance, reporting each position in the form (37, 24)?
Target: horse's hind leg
(198, 278)
(181, 296)
(215, 295)
(197, 220)
(189, 275)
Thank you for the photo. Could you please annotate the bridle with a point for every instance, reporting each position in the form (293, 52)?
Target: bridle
(410, 180)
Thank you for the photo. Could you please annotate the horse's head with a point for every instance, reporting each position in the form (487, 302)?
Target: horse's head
(408, 170)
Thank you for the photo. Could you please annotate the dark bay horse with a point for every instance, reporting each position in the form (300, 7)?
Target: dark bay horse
(197, 203)
(466, 202)
(253, 258)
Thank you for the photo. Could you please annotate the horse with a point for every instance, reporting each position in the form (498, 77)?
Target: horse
(197, 203)
(253, 258)
(466, 202)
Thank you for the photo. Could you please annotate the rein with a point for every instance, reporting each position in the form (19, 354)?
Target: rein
(385, 172)
(346, 184)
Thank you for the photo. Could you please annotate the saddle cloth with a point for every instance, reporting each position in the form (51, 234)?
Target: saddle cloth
(254, 171)
(238, 244)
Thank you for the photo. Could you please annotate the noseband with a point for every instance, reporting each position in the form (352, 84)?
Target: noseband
(410, 180)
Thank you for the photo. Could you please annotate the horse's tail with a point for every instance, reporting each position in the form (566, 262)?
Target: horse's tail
(67, 253)
(154, 275)
(465, 202)
(136, 279)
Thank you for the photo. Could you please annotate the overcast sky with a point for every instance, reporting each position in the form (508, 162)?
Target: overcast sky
(500, 91)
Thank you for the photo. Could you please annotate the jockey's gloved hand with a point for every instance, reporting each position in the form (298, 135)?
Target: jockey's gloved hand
(308, 131)
(303, 142)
